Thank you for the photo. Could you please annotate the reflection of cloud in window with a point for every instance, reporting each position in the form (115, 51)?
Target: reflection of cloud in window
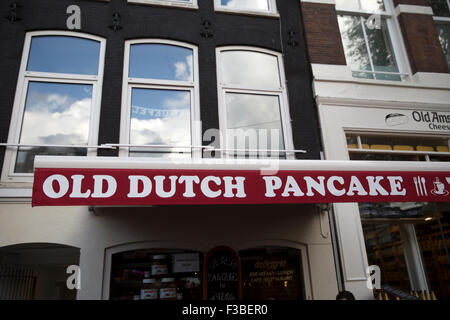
(51, 120)
(183, 70)
(172, 127)
(172, 130)
(252, 69)
(246, 4)
(255, 111)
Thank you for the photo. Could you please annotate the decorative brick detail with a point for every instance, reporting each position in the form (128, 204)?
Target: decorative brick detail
(422, 43)
(412, 2)
(322, 34)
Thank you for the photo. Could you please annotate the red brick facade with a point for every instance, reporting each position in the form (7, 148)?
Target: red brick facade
(322, 33)
(422, 43)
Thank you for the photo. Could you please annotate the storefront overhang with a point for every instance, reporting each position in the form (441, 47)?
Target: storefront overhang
(108, 181)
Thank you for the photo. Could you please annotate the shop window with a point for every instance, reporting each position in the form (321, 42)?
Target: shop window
(57, 102)
(175, 3)
(272, 273)
(253, 108)
(367, 31)
(441, 11)
(397, 147)
(408, 241)
(160, 99)
(249, 6)
(37, 271)
(157, 274)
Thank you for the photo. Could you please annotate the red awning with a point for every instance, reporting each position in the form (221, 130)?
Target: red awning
(107, 181)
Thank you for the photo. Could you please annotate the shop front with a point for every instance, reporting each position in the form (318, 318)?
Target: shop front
(401, 122)
(259, 236)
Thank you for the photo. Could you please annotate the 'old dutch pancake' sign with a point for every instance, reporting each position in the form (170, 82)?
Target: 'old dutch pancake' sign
(97, 181)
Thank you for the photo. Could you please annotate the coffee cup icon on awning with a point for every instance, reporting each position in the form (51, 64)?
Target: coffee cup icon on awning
(439, 188)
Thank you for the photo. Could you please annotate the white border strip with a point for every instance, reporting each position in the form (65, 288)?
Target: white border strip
(320, 1)
(235, 164)
(406, 8)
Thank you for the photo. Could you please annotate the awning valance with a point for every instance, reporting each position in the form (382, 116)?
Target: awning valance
(108, 181)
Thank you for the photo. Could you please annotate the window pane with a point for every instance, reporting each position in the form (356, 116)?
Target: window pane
(160, 117)
(444, 37)
(382, 53)
(262, 5)
(250, 69)
(354, 43)
(258, 116)
(64, 55)
(161, 61)
(55, 113)
(440, 8)
(139, 274)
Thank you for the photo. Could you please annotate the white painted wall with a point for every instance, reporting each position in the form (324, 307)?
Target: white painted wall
(184, 227)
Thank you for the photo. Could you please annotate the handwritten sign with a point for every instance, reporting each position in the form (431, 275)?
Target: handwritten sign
(222, 275)
(272, 274)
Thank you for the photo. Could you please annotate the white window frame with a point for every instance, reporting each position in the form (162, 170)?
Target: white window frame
(271, 12)
(398, 46)
(8, 174)
(191, 4)
(130, 83)
(425, 154)
(281, 92)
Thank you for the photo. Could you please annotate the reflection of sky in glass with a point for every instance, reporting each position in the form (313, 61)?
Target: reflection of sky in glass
(251, 111)
(56, 113)
(250, 69)
(381, 50)
(246, 4)
(354, 43)
(160, 61)
(64, 55)
(160, 117)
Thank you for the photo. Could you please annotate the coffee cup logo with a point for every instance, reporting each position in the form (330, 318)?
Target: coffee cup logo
(439, 188)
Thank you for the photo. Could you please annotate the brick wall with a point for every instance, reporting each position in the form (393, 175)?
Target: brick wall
(421, 40)
(322, 33)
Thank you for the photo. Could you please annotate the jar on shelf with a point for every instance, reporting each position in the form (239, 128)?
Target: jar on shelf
(168, 289)
(160, 265)
(149, 289)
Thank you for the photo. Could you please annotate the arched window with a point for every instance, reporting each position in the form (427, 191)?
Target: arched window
(57, 101)
(253, 104)
(159, 99)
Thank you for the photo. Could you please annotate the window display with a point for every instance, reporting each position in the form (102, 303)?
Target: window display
(156, 275)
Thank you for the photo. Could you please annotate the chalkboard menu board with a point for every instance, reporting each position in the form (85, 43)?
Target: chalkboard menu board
(222, 275)
(272, 274)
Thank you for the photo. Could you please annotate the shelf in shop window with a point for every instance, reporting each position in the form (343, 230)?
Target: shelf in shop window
(133, 265)
(127, 283)
(431, 153)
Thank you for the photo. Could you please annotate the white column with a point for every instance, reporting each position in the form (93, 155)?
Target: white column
(413, 258)
(91, 267)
